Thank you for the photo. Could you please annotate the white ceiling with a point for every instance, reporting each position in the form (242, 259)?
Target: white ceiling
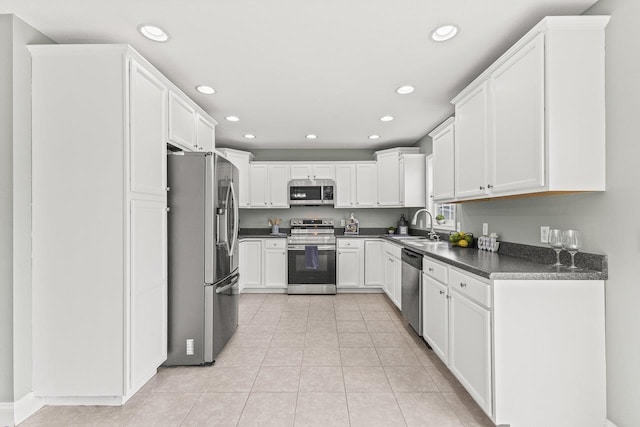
(288, 68)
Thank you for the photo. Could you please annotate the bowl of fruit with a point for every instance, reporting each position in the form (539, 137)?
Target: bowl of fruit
(461, 239)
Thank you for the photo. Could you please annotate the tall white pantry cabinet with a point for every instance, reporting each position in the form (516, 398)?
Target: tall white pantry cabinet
(99, 222)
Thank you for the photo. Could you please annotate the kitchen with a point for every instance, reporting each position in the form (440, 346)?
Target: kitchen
(514, 220)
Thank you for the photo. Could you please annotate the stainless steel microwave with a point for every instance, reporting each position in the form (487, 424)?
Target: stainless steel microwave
(311, 193)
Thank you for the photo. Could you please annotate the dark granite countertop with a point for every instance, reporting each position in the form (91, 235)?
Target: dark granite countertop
(513, 261)
(505, 266)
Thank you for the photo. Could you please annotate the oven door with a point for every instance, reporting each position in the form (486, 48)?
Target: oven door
(302, 273)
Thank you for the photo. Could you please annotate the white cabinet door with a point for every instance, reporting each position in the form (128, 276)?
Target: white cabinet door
(397, 282)
(182, 123)
(435, 316)
(148, 270)
(374, 263)
(366, 180)
(388, 275)
(275, 268)
(250, 263)
(471, 145)
(205, 134)
(322, 171)
(301, 171)
(259, 187)
(278, 182)
(388, 179)
(517, 97)
(349, 268)
(443, 164)
(470, 347)
(147, 132)
(345, 186)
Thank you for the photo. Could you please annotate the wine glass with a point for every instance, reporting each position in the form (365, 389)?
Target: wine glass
(555, 241)
(572, 242)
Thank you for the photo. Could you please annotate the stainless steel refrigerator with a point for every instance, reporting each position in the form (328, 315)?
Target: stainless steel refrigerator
(203, 256)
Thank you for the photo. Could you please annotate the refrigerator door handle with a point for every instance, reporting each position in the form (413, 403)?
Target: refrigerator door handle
(236, 223)
(226, 287)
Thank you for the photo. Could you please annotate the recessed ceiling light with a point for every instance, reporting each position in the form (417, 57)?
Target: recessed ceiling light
(311, 136)
(232, 118)
(374, 136)
(207, 90)
(154, 33)
(386, 118)
(404, 90)
(444, 33)
(249, 136)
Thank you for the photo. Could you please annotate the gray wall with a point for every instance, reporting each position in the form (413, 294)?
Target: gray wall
(15, 197)
(369, 218)
(6, 210)
(609, 220)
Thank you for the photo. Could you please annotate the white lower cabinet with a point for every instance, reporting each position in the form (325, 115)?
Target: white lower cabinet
(263, 263)
(470, 347)
(374, 263)
(350, 263)
(435, 316)
(393, 273)
(275, 263)
(520, 345)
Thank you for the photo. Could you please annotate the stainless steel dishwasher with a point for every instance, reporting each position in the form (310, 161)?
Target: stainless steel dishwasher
(412, 289)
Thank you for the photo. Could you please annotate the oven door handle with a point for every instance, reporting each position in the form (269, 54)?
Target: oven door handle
(320, 247)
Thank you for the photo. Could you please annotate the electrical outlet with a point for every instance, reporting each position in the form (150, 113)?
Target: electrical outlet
(342, 223)
(190, 347)
(544, 234)
(485, 229)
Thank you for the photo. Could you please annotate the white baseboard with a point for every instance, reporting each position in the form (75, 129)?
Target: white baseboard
(27, 406)
(83, 400)
(6, 414)
(608, 423)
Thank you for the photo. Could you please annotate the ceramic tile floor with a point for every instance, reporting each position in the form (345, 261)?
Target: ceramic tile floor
(344, 360)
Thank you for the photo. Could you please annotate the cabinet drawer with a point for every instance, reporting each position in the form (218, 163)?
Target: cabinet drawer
(392, 249)
(473, 288)
(350, 243)
(275, 243)
(435, 270)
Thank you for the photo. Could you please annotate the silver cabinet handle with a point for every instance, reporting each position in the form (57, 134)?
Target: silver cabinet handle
(265, 203)
(489, 186)
(441, 292)
(167, 209)
(463, 285)
(481, 187)
(431, 269)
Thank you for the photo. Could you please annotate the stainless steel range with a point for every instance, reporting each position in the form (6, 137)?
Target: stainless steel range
(312, 256)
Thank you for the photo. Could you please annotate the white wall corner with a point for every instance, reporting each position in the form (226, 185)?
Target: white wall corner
(608, 423)
(6, 414)
(26, 406)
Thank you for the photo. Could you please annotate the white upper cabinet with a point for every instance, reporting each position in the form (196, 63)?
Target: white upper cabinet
(148, 118)
(534, 121)
(388, 179)
(205, 134)
(366, 180)
(443, 163)
(345, 191)
(268, 185)
(182, 123)
(241, 160)
(312, 171)
(471, 144)
(412, 180)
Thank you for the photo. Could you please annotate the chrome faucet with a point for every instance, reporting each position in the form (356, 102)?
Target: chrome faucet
(432, 234)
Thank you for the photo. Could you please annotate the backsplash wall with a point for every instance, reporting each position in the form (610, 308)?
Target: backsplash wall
(369, 218)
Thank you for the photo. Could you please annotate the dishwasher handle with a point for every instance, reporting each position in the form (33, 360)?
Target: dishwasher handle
(414, 259)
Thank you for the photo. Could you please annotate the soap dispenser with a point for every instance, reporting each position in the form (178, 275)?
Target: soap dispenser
(403, 226)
